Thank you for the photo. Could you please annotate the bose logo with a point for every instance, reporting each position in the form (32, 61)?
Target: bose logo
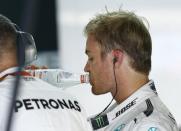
(129, 105)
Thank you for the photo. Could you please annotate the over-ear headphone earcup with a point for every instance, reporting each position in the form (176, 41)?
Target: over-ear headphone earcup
(26, 42)
(30, 47)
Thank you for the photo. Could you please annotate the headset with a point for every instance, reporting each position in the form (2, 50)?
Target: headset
(26, 53)
(26, 41)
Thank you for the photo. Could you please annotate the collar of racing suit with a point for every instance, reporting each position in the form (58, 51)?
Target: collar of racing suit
(138, 102)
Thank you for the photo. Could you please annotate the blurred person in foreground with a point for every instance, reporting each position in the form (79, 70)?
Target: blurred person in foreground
(39, 106)
(119, 49)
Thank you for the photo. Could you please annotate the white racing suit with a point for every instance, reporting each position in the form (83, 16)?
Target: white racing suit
(40, 106)
(142, 111)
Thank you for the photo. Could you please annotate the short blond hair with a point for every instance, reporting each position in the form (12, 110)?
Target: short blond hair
(125, 31)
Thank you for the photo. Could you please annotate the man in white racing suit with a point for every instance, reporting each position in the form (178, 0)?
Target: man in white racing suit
(39, 106)
(142, 111)
(119, 49)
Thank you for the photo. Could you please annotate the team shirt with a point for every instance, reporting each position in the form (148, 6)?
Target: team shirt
(39, 106)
